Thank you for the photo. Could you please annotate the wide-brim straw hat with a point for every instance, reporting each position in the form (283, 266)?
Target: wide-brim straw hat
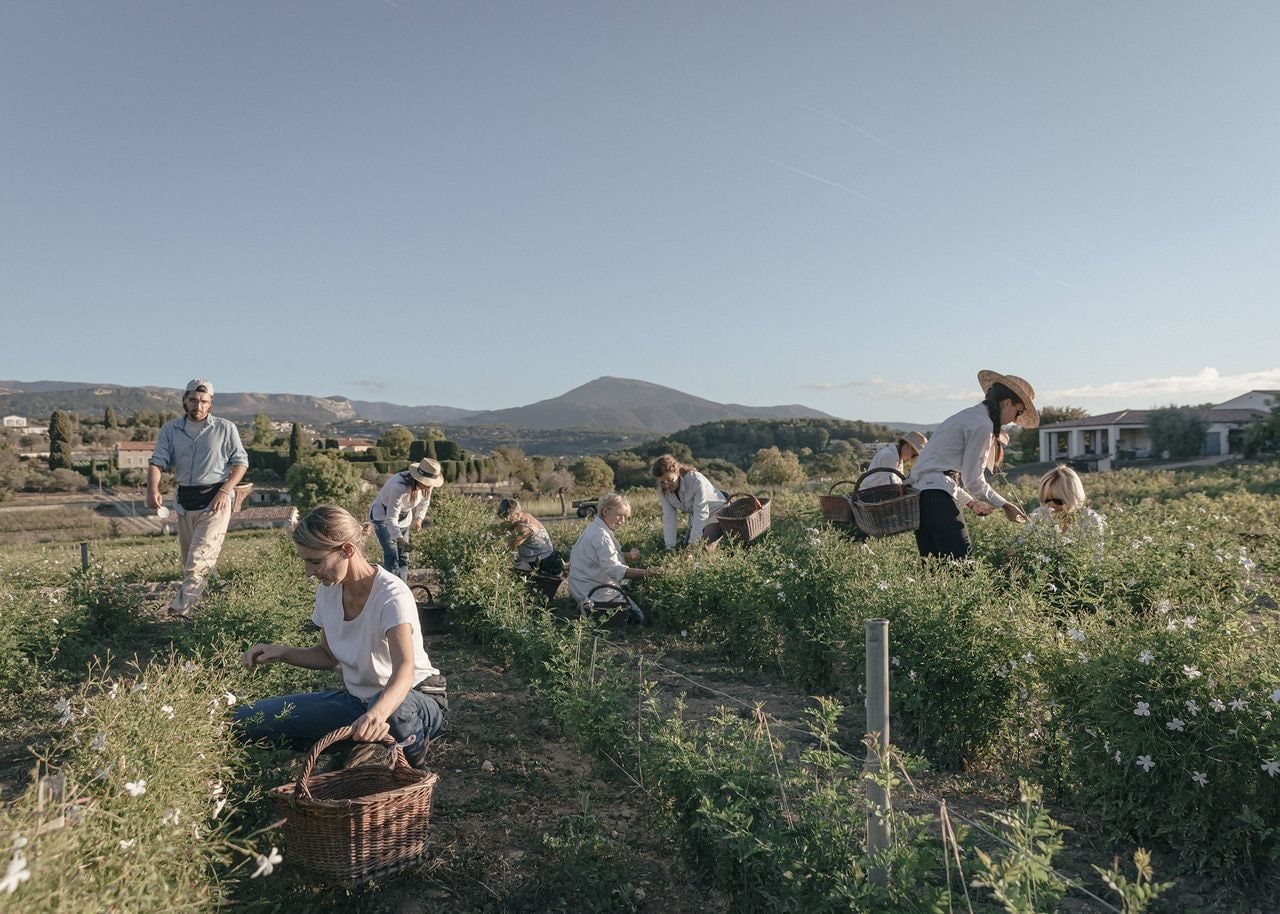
(1030, 417)
(915, 439)
(428, 472)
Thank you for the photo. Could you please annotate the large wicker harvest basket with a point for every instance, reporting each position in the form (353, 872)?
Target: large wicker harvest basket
(886, 510)
(745, 517)
(837, 508)
(356, 823)
(432, 616)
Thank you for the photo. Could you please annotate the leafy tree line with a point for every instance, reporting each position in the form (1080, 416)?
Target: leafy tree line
(738, 440)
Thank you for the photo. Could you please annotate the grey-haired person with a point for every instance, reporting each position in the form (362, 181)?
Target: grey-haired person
(597, 559)
(208, 460)
(954, 463)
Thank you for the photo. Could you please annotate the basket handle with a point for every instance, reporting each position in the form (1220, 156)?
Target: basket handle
(414, 588)
(842, 482)
(303, 789)
(894, 470)
(617, 588)
(745, 495)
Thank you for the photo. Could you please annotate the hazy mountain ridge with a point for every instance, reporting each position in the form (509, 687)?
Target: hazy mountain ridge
(607, 403)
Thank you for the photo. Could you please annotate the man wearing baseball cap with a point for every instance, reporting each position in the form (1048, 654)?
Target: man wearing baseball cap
(207, 460)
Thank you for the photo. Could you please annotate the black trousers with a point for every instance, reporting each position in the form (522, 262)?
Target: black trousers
(942, 532)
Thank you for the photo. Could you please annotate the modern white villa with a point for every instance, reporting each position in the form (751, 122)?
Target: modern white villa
(1123, 434)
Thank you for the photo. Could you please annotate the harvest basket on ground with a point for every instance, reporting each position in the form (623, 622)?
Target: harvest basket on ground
(837, 508)
(745, 517)
(886, 510)
(433, 616)
(606, 603)
(356, 823)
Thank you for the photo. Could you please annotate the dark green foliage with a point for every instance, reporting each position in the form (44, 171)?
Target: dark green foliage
(737, 439)
(417, 450)
(109, 418)
(1177, 430)
(447, 450)
(296, 445)
(1028, 440)
(61, 431)
(267, 458)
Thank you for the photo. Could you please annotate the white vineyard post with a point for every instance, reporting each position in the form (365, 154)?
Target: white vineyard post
(878, 832)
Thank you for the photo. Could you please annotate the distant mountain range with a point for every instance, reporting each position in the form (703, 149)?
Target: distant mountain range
(605, 403)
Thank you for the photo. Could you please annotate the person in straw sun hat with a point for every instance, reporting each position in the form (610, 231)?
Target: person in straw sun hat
(893, 456)
(402, 506)
(963, 445)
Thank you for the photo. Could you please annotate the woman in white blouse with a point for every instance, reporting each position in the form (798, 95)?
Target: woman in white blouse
(893, 457)
(597, 558)
(963, 446)
(402, 506)
(681, 488)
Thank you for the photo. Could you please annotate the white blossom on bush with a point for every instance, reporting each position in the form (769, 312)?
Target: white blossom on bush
(1146, 657)
(1192, 708)
(1271, 767)
(1075, 634)
(167, 711)
(1239, 704)
(136, 788)
(1176, 724)
(16, 874)
(1199, 777)
(1145, 762)
(1143, 709)
(1191, 672)
(267, 863)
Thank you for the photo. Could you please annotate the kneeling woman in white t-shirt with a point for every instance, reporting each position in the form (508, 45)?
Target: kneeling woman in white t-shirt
(369, 629)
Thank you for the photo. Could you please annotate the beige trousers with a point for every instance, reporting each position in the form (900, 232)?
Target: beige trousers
(200, 536)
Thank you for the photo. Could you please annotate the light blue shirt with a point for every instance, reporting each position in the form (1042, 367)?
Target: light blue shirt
(199, 458)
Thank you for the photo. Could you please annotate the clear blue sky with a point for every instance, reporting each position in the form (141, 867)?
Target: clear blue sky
(853, 205)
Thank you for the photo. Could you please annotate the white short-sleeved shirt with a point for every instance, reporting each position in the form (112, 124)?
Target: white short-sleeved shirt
(360, 645)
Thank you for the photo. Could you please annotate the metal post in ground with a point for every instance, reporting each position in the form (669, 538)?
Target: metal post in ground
(84, 556)
(878, 832)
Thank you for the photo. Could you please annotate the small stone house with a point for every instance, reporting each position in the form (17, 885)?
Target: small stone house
(134, 455)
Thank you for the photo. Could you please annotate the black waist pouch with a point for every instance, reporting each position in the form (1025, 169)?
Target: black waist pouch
(197, 498)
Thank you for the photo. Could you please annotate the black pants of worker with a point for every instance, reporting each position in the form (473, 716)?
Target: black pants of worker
(942, 532)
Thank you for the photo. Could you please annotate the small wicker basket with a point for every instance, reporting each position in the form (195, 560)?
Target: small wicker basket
(837, 508)
(432, 616)
(356, 823)
(745, 517)
(886, 510)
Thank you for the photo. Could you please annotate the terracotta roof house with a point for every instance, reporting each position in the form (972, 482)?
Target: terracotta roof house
(1123, 434)
(134, 454)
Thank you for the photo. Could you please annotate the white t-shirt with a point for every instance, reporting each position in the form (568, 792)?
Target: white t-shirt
(361, 645)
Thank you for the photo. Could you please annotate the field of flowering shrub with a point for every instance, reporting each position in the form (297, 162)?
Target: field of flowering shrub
(1138, 683)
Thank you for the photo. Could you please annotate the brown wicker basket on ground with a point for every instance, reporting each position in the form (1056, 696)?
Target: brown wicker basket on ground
(886, 510)
(356, 823)
(433, 617)
(745, 517)
(837, 508)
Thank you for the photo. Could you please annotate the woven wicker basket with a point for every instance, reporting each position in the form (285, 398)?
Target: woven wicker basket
(837, 508)
(886, 510)
(745, 517)
(356, 823)
(432, 616)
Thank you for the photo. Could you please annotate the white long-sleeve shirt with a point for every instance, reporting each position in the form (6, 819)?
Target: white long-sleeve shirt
(400, 502)
(961, 442)
(696, 496)
(885, 458)
(596, 559)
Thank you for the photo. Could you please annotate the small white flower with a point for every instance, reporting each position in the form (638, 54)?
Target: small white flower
(1217, 705)
(228, 698)
(1190, 672)
(267, 863)
(167, 711)
(1044, 559)
(1145, 763)
(115, 690)
(1275, 696)
(172, 816)
(1271, 767)
(1146, 657)
(883, 585)
(895, 661)
(190, 666)
(911, 674)
(1075, 634)
(16, 874)
(99, 743)
(1143, 709)
(1163, 606)
(1176, 724)
(1189, 622)
(1052, 588)
(136, 788)
(1171, 626)
(1239, 704)
(1028, 658)
(1117, 757)
(217, 808)
(1199, 777)
(1192, 708)
(128, 843)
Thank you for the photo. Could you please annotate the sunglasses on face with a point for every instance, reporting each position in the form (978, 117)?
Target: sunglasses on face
(1056, 502)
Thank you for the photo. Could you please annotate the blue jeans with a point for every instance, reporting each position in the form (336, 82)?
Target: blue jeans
(299, 720)
(392, 557)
